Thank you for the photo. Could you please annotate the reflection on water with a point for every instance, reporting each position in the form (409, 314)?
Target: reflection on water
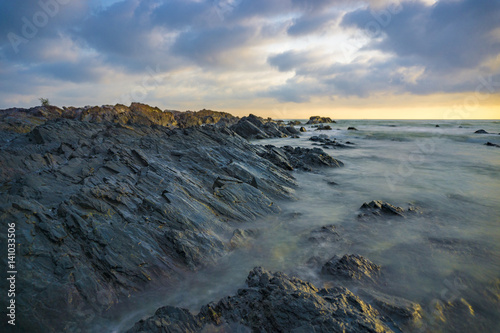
(449, 252)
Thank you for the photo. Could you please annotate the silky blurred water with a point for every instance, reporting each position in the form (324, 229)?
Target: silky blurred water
(447, 171)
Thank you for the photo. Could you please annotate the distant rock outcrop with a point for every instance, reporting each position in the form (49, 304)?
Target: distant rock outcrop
(17, 120)
(320, 120)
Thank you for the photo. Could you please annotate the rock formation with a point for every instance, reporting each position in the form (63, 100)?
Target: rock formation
(273, 302)
(108, 201)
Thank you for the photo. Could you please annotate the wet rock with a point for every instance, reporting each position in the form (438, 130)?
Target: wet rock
(481, 131)
(290, 158)
(490, 144)
(402, 311)
(324, 128)
(326, 142)
(274, 302)
(253, 127)
(294, 123)
(351, 267)
(379, 208)
(303, 129)
(319, 120)
(106, 208)
(438, 126)
(327, 233)
(249, 130)
(243, 237)
(352, 129)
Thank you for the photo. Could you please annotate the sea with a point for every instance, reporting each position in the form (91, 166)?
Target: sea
(446, 257)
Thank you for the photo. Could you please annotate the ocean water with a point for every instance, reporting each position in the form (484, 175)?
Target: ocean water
(446, 257)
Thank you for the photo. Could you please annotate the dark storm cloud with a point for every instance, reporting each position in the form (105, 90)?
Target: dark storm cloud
(421, 49)
(443, 37)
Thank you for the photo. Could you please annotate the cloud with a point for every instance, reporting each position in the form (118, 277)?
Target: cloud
(216, 50)
(448, 36)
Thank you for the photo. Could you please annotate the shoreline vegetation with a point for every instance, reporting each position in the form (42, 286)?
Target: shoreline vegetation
(110, 201)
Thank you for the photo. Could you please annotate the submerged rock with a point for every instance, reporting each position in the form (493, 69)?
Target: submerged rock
(324, 141)
(351, 267)
(327, 233)
(481, 131)
(491, 144)
(324, 128)
(379, 208)
(273, 302)
(352, 129)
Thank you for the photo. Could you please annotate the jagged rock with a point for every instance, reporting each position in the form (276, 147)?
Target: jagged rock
(327, 233)
(303, 129)
(274, 302)
(319, 120)
(380, 208)
(481, 131)
(351, 267)
(290, 158)
(105, 208)
(401, 310)
(249, 130)
(195, 118)
(253, 127)
(294, 123)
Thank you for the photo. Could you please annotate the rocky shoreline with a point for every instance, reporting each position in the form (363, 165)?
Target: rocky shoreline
(109, 201)
(112, 201)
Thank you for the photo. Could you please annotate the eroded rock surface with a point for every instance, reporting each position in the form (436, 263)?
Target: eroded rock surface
(351, 267)
(274, 302)
(379, 208)
(253, 127)
(105, 207)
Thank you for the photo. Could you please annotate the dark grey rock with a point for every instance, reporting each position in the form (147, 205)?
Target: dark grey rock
(481, 131)
(320, 120)
(106, 207)
(490, 144)
(379, 208)
(351, 267)
(303, 129)
(274, 302)
(352, 128)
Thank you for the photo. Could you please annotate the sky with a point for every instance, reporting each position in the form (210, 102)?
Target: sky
(369, 59)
